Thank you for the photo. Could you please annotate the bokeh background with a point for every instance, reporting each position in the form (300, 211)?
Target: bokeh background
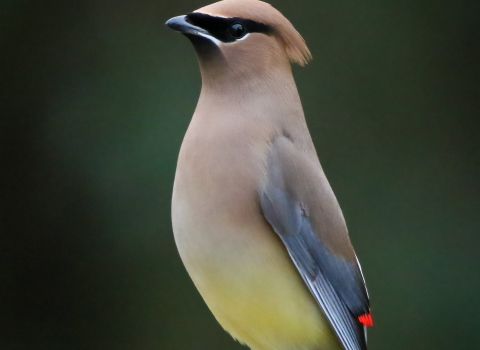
(95, 97)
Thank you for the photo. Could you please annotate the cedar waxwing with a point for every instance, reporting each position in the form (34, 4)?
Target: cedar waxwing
(255, 220)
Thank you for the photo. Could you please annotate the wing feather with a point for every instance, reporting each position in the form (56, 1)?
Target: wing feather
(336, 284)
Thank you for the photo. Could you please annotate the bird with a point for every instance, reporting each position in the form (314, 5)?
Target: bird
(256, 223)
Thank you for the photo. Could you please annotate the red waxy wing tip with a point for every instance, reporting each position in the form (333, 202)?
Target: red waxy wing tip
(366, 319)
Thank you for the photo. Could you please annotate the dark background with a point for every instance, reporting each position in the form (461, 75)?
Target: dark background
(95, 97)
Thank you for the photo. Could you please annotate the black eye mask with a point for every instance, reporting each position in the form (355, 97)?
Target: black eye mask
(227, 30)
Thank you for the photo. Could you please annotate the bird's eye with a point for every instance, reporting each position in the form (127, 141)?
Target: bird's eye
(237, 30)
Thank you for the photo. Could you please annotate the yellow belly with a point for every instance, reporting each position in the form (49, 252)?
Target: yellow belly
(268, 308)
(255, 292)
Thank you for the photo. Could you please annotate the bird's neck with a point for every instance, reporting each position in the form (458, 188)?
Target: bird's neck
(263, 93)
(249, 105)
(221, 72)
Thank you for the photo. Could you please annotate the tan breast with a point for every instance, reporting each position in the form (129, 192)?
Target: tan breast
(218, 175)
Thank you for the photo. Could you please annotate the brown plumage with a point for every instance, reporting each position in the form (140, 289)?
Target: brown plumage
(255, 220)
(290, 39)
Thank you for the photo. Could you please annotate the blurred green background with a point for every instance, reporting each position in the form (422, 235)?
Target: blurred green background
(95, 97)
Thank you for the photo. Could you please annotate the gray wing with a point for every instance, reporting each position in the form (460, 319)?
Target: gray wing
(299, 205)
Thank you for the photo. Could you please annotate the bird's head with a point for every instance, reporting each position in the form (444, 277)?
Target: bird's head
(242, 37)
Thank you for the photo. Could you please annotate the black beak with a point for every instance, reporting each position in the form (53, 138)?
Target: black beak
(181, 24)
